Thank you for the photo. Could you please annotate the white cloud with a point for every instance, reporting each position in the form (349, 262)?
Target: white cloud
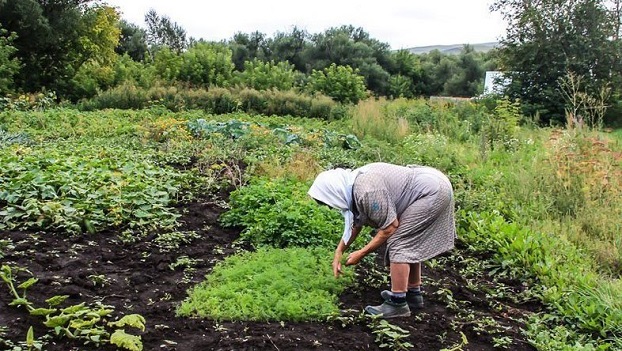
(401, 23)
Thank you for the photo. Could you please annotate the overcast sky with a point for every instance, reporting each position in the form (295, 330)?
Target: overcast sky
(400, 23)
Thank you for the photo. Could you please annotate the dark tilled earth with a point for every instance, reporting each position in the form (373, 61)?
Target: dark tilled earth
(138, 279)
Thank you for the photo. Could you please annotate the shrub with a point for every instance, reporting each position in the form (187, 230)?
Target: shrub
(342, 83)
(261, 75)
(206, 64)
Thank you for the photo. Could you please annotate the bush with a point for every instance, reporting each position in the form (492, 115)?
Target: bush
(342, 83)
(266, 75)
(206, 64)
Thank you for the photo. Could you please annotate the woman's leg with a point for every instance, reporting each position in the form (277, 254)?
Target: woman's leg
(400, 273)
(414, 277)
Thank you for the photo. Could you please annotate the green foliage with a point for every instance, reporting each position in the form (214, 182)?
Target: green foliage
(218, 101)
(434, 150)
(131, 320)
(261, 75)
(540, 38)
(279, 213)
(162, 32)
(90, 79)
(132, 42)
(407, 75)
(77, 188)
(172, 240)
(341, 83)
(235, 129)
(9, 65)
(390, 336)
(66, 123)
(35, 102)
(81, 322)
(468, 81)
(7, 138)
(206, 65)
(167, 64)
(569, 282)
(126, 341)
(55, 40)
(294, 284)
(126, 70)
(502, 125)
(353, 47)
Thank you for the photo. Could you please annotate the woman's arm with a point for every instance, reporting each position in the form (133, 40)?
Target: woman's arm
(342, 247)
(380, 238)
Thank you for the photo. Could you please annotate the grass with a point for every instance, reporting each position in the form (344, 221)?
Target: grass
(293, 284)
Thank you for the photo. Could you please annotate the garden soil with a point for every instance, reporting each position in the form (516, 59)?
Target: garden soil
(137, 278)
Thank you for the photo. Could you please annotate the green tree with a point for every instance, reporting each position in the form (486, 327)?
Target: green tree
(290, 47)
(206, 64)
(407, 75)
(162, 31)
(545, 40)
(138, 73)
(133, 41)
(9, 65)
(342, 83)
(247, 47)
(55, 38)
(167, 64)
(437, 69)
(261, 75)
(350, 46)
(468, 81)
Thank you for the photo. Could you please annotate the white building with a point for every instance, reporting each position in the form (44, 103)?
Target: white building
(495, 83)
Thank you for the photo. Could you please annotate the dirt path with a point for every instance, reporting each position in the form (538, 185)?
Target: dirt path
(138, 279)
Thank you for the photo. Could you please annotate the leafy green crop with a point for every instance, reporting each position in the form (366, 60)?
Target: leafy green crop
(7, 138)
(294, 284)
(80, 187)
(279, 213)
(235, 129)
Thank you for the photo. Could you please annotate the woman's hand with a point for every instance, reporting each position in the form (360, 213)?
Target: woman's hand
(355, 257)
(337, 263)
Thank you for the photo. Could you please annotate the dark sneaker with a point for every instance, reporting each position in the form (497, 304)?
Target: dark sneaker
(389, 310)
(414, 300)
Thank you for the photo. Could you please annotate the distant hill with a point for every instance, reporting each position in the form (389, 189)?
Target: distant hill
(453, 49)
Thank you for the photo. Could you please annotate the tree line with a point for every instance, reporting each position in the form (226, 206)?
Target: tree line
(78, 48)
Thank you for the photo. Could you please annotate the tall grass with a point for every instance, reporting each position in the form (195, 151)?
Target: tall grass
(546, 202)
(369, 119)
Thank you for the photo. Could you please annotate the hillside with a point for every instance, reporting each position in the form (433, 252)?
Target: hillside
(452, 49)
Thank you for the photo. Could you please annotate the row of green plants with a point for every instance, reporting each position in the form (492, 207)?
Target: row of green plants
(87, 186)
(217, 101)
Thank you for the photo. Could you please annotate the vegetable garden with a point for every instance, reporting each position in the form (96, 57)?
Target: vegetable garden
(186, 230)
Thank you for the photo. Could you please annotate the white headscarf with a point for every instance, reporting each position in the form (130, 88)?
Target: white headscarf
(334, 188)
